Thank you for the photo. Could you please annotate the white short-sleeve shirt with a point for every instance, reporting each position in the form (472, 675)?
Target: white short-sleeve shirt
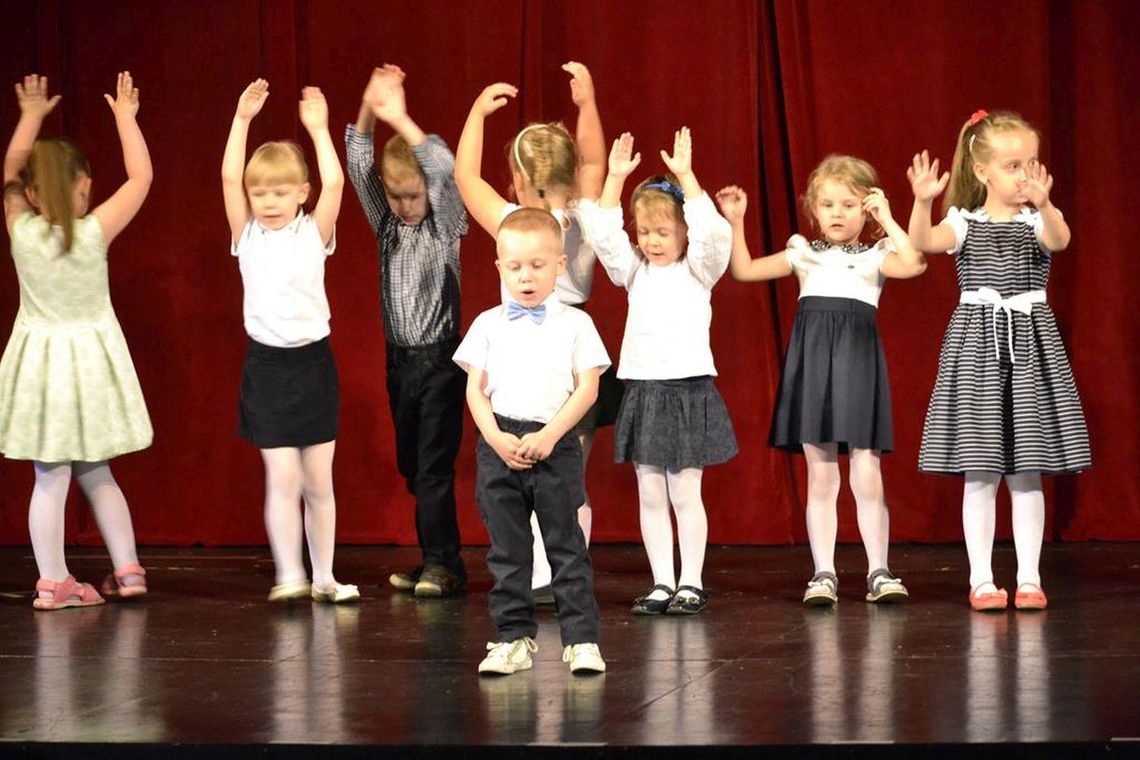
(835, 273)
(957, 219)
(530, 367)
(283, 274)
(572, 286)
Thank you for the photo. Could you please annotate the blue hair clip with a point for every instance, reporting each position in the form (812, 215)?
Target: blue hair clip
(666, 186)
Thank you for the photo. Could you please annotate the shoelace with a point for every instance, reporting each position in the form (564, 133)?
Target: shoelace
(573, 650)
(502, 648)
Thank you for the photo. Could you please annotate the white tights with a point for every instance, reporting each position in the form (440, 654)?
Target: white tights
(541, 574)
(292, 474)
(657, 488)
(46, 514)
(866, 481)
(979, 505)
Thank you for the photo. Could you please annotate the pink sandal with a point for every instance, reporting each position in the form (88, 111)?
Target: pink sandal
(988, 601)
(113, 584)
(65, 593)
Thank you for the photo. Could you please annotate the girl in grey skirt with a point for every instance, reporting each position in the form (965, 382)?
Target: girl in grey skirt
(672, 422)
(834, 395)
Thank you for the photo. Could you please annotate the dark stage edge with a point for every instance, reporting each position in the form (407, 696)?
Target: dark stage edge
(204, 667)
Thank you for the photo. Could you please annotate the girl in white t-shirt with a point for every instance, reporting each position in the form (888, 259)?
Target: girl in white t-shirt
(834, 394)
(548, 171)
(673, 422)
(289, 394)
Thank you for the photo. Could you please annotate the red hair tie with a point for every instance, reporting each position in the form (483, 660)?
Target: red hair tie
(977, 116)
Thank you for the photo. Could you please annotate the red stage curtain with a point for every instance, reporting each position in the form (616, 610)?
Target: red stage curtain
(767, 86)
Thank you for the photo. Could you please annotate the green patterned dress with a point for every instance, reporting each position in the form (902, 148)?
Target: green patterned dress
(68, 389)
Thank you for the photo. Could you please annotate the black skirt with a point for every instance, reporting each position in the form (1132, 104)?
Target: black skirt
(604, 411)
(834, 387)
(673, 424)
(289, 396)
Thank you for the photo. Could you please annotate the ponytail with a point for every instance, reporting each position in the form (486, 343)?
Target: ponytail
(544, 155)
(53, 168)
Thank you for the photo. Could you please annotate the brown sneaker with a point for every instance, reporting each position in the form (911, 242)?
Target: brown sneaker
(406, 580)
(437, 580)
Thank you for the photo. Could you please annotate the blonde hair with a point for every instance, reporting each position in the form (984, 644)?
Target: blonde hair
(974, 146)
(545, 156)
(398, 163)
(532, 220)
(858, 175)
(662, 198)
(276, 162)
(53, 168)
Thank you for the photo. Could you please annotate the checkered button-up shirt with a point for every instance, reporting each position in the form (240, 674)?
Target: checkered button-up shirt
(419, 265)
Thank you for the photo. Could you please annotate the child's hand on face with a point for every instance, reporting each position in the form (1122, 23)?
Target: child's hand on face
(581, 83)
(506, 446)
(875, 203)
(622, 160)
(314, 109)
(494, 97)
(681, 162)
(534, 447)
(252, 99)
(32, 96)
(924, 179)
(733, 203)
(1038, 183)
(126, 100)
(385, 94)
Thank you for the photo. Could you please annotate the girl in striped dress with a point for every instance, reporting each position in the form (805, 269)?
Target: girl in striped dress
(1004, 404)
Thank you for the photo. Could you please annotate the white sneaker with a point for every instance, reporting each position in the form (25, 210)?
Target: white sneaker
(584, 658)
(506, 657)
(822, 590)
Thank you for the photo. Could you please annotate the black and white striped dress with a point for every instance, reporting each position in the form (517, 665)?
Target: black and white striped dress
(990, 410)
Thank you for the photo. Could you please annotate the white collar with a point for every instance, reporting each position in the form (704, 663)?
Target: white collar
(1026, 215)
(293, 226)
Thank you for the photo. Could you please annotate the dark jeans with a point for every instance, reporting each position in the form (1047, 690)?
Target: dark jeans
(426, 393)
(552, 489)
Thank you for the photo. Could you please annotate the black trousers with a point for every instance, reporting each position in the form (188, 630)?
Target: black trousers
(426, 393)
(552, 489)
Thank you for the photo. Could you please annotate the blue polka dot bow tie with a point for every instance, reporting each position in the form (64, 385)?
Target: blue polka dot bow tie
(536, 313)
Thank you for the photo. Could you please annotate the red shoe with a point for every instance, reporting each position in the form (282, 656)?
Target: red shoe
(1033, 599)
(988, 601)
(65, 593)
(113, 584)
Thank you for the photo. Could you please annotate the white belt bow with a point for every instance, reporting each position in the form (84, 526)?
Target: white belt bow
(1022, 302)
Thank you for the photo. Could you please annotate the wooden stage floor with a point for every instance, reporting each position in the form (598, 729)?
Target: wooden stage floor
(205, 665)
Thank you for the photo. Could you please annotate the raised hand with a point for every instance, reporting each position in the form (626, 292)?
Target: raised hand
(733, 203)
(32, 96)
(581, 82)
(314, 109)
(252, 99)
(494, 97)
(875, 203)
(681, 162)
(385, 94)
(1038, 183)
(126, 100)
(924, 180)
(623, 160)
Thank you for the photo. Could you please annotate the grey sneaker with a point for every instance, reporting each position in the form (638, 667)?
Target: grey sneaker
(437, 581)
(822, 590)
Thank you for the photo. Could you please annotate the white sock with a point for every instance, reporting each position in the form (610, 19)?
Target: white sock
(320, 511)
(823, 492)
(541, 574)
(692, 523)
(1028, 524)
(46, 518)
(866, 480)
(111, 512)
(979, 507)
(656, 527)
(283, 477)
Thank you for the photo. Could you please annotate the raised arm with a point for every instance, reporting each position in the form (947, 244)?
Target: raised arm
(710, 236)
(233, 160)
(733, 203)
(927, 185)
(588, 134)
(482, 200)
(314, 111)
(1054, 234)
(385, 97)
(115, 213)
(360, 161)
(622, 162)
(905, 261)
(35, 105)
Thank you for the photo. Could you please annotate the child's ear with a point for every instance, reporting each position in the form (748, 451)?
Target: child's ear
(561, 263)
(305, 188)
(980, 172)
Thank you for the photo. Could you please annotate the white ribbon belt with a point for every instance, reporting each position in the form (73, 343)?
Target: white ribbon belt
(1022, 302)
